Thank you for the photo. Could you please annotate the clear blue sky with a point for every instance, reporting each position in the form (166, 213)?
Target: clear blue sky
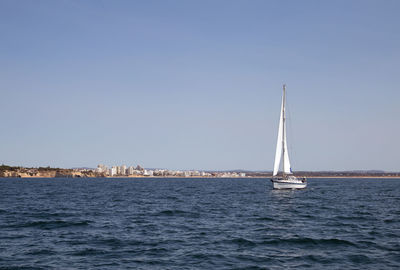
(197, 84)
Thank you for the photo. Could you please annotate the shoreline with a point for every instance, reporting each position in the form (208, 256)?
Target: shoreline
(199, 177)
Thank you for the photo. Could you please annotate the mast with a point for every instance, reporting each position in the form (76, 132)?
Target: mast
(279, 143)
(283, 129)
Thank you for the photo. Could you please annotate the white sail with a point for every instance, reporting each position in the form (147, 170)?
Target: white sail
(281, 144)
(278, 153)
(286, 162)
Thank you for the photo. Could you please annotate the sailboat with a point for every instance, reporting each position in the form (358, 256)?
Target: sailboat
(285, 180)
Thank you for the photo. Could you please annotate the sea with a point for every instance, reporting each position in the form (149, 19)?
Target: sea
(131, 223)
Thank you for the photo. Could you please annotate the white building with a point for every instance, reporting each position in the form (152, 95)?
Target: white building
(195, 173)
(101, 168)
(113, 171)
(122, 170)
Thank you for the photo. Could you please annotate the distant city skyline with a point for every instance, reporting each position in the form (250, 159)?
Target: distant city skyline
(188, 85)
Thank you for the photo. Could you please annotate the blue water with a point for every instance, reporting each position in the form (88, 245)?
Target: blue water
(198, 224)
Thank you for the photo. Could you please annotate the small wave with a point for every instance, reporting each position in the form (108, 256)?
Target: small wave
(88, 252)
(13, 237)
(177, 213)
(265, 219)
(391, 220)
(113, 242)
(372, 244)
(171, 212)
(254, 259)
(116, 243)
(199, 256)
(241, 242)
(46, 225)
(21, 268)
(41, 252)
(172, 198)
(359, 258)
(311, 259)
(156, 251)
(205, 256)
(45, 215)
(310, 241)
(352, 218)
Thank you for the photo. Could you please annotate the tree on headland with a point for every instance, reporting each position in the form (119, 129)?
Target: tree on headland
(48, 168)
(8, 168)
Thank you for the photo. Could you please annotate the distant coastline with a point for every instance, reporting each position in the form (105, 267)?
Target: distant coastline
(48, 172)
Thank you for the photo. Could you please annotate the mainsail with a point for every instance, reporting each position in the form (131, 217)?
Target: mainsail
(281, 144)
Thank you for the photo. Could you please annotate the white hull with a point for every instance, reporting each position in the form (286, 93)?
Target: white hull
(288, 184)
